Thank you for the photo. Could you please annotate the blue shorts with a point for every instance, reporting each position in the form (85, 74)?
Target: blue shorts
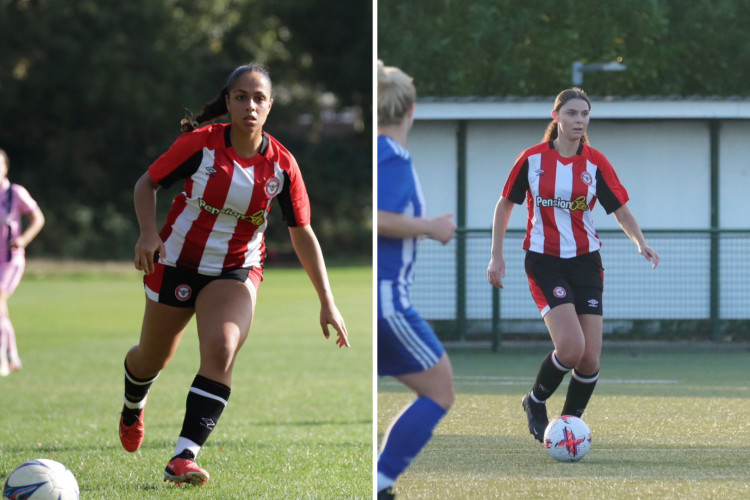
(406, 343)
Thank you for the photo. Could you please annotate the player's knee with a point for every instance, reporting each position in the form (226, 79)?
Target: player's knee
(445, 399)
(570, 355)
(588, 365)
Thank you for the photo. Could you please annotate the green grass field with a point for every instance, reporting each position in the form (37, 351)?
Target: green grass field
(298, 425)
(665, 426)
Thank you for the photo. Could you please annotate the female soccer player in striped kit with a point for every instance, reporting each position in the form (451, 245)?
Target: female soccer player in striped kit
(15, 202)
(208, 258)
(561, 180)
(407, 347)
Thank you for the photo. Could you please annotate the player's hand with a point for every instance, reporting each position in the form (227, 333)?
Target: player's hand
(496, 272)
(330, 315)
(442, 228)
(650, 255)
(19, 242)
(145, 249)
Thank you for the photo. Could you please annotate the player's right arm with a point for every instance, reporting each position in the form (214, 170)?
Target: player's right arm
(496, 267)
(513, 193)
(149, 242)
(395, 225)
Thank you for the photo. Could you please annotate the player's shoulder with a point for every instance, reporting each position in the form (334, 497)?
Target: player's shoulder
(211, 136)
(542, 147)
(595, 156)
(391, 152)
(276, 152)
(17, 189)
(537, 149)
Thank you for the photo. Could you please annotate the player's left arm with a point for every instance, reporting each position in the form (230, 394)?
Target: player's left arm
(629, 225)
(36, 223)
(310, 255)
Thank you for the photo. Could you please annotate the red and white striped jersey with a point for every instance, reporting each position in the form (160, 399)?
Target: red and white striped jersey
(560, 194)
(217, 223)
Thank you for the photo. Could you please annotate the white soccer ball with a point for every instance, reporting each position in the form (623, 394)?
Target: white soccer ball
(41, 479)
(567, 439)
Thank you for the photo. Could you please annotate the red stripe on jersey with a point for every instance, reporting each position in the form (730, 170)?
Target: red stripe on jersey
(214, 194)
(580, 189)
(547, 188)
(178, 205)
(238, 245)
(529, 224)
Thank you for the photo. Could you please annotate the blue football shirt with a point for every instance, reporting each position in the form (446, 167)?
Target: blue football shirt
(399, 191)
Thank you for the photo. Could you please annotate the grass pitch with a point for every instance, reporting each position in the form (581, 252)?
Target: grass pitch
(298, 424)
(665, 426)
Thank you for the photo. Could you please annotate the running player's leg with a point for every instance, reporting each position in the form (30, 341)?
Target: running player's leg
(555, 298)
(4, 341)
(406, 341)
(10, 276)
(567, 337)
(587, 279)
(161, 332)
(586, 371)
(224, 312)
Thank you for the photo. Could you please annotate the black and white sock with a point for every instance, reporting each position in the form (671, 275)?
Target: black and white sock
(549, 377)
(580, 389)
(136, 393)
(205, 403)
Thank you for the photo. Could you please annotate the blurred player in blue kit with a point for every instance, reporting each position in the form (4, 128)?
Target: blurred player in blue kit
(408, 349)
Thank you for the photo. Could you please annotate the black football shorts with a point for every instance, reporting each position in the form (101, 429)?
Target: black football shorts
(578, 281)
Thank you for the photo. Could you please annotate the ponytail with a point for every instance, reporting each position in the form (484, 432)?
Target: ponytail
(211, 110)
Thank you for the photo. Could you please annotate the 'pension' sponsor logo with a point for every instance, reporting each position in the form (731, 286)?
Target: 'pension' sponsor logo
(257, 218)
(577, 204)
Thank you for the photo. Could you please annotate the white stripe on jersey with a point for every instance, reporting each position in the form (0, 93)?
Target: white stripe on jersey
(385, 298)
(588, 215)
(564, 190)
(240, 194)
(183, 223)
(406, 273)
(411, 341)
(396, 147)
(252, 255)
(537, 230)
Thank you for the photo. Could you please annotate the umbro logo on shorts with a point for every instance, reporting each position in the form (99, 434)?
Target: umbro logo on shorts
(593, 303)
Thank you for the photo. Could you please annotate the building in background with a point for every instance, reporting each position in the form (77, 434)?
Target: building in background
(685, 166)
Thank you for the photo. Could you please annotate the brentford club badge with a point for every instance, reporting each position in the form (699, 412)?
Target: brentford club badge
(586, 178)
(183, 292)
(272, 187)
(559, 292)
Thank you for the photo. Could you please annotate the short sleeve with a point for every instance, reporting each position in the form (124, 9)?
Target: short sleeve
(26, 204)
(179, 162)
(395, 184)
(293, 198)
(609, 191)
(518, 181)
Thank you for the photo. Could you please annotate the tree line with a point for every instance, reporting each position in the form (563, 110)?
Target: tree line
(512, 48)
(93, 91)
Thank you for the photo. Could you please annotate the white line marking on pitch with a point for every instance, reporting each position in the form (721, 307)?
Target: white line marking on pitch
(495, 380)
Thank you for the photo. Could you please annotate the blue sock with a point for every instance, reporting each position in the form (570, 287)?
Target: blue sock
(407, 436)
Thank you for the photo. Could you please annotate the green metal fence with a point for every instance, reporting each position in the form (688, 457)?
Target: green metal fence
(701, 289)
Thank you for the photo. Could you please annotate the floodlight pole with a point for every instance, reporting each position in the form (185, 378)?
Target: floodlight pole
(579, 69)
